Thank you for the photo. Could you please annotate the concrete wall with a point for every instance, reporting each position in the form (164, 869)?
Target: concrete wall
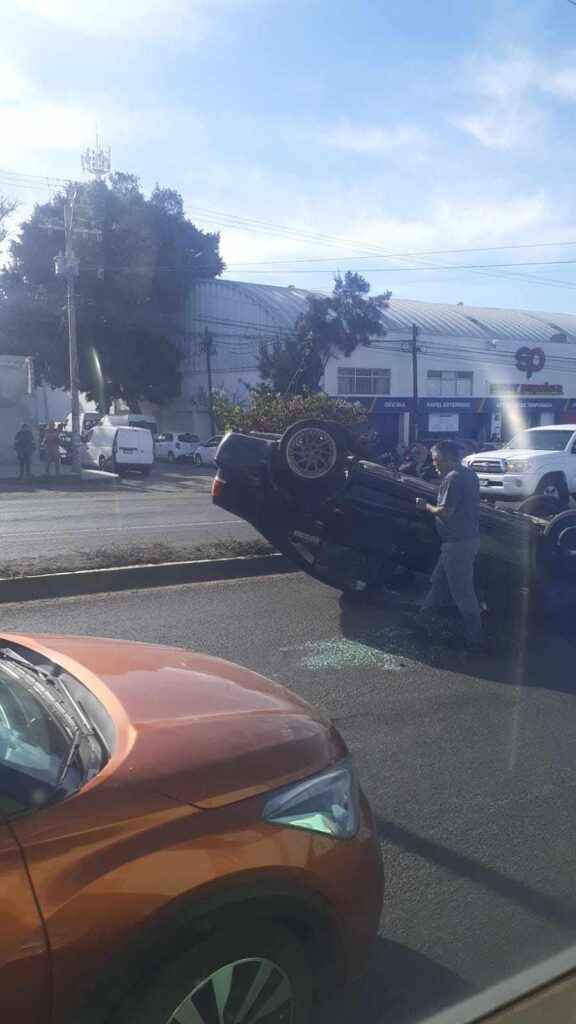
(17, 402)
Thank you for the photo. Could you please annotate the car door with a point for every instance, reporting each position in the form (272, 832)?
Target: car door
(212, 447)
(87, 450)
(24, 965)
(571, 467)
(163, 445)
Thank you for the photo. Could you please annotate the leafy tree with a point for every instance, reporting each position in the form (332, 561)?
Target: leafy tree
(137, 257)
(7, 206)
(332, 325)
(273, 413)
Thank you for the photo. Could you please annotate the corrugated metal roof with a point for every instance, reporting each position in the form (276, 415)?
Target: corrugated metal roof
(433, 318)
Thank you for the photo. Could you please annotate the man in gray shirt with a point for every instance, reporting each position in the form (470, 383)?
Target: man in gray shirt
(456, 516)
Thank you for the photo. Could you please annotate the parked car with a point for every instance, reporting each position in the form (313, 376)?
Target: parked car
(541, 460)
(65, 442)
(131, 419)
(351, 523)
(174, 447)
(175, 832)
(206, 451)
(119, 449)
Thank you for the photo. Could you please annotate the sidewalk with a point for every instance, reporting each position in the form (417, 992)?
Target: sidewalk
(67, 480)
(164, 477)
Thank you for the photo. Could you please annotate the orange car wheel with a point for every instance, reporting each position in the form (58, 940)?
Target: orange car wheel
(250, 973)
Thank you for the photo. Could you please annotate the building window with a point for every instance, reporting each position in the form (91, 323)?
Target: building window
(449, 383)
(356, 380)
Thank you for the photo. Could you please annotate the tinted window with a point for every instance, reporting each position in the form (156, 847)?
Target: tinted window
(188, 438)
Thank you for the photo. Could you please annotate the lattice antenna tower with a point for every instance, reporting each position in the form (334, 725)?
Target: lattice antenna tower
(96, 160)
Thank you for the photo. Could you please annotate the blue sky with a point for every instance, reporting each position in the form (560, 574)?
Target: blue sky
(384, 126)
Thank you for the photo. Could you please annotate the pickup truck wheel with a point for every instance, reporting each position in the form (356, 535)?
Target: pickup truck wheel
(541, 506)
(554, 486)
(312, 452)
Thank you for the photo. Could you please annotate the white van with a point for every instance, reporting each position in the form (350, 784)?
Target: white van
(131, 419)
(119, 449)
(87, 421)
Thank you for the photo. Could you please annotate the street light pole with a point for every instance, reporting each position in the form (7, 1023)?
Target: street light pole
(71, 270)
(207, 346)
(413, 430)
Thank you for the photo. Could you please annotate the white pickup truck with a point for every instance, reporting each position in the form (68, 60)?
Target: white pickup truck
(539, 461)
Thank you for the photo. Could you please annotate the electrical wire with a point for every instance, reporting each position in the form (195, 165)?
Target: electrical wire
(249, 224)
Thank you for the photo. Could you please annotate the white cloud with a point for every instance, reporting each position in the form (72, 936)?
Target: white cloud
(363, 139)
(505, 117)
(561, 83)
(508, 111)
(189, 19)
(13, 83)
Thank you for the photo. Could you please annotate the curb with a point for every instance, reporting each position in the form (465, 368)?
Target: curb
(136, 577)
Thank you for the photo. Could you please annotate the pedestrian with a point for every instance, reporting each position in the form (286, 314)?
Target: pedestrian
(51, 448)
(24, 445)
(401, 450)
(419, 454)
(456, 517)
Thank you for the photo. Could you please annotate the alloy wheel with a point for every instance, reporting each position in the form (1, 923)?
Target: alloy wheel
(250, 991)
(311, 453)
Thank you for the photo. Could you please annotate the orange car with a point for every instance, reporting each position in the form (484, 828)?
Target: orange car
(181, 841)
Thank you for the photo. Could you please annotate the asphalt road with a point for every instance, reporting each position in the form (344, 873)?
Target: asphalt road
(174, 510)
(469, 765)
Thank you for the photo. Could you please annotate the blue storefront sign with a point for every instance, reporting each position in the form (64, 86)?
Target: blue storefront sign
(386, 403)
(503, 404)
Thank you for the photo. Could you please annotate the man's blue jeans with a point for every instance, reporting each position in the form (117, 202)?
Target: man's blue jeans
(454, 577)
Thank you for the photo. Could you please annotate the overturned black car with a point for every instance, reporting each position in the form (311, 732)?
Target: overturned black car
(352, 523)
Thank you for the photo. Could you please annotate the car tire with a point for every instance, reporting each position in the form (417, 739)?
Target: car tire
(554, 486)
(170, 457)
(558, 548)
(541, 506)
(312, 452)
(191, 976)
(198, 461)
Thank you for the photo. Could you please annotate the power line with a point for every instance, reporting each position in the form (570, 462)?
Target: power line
(248, 224)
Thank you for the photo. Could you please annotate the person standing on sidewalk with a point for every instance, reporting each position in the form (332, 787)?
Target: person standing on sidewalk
(456, 516)
(51, 448)
(24, 445)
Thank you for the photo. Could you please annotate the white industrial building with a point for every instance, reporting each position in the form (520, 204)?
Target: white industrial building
(17, 402)
(480, 370)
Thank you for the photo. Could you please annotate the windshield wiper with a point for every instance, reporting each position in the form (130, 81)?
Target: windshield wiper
(71, 755)
(77, 726)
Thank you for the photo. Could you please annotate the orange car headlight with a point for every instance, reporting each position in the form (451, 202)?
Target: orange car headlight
(325, 803)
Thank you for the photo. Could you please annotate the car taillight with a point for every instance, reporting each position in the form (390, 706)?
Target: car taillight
(218, 485)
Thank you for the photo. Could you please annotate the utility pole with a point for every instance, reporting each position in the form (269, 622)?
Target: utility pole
(413, 431)
(207, 346)
(67, 266)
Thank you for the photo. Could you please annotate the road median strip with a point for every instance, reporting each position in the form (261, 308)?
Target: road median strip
(134, 577)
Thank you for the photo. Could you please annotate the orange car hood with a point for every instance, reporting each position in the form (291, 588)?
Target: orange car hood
(198, 729)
